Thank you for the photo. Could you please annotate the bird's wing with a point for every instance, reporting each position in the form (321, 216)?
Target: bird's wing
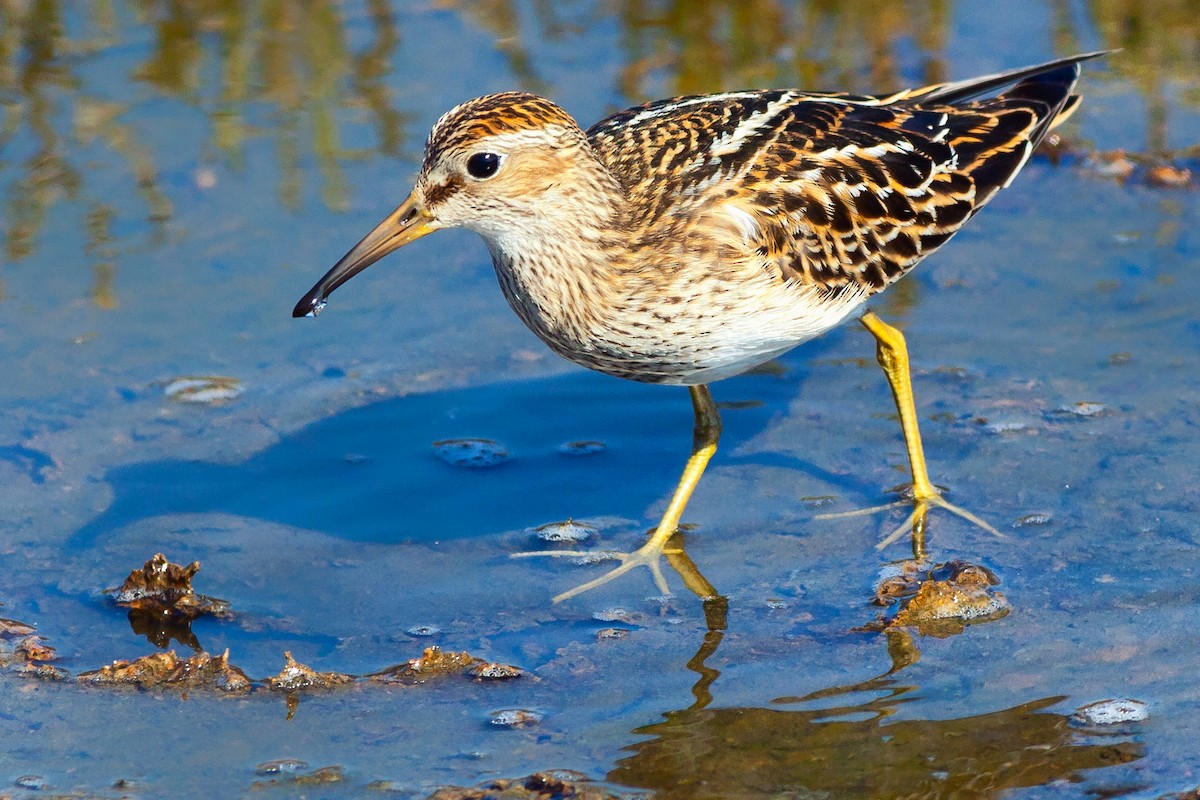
(832, 190)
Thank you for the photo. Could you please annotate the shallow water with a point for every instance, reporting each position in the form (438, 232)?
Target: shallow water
(174, 176)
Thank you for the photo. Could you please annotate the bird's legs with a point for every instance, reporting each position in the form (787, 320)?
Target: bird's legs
(893, 357)
(704, 443)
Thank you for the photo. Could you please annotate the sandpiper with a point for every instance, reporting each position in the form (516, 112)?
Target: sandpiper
(690, 239)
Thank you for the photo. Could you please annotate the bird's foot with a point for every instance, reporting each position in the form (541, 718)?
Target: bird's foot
(922, 501)
(648, 555)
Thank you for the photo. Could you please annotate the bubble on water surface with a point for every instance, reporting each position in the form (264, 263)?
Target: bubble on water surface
(1110, 716)
(281, 766)
(424, 630)
(472, 453)
(1084, 409)
(33, 782)
(568, 531)
(515, 718)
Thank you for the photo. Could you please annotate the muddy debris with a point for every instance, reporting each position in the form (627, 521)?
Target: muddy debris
(26, 652)
(321, 776)
(622, 615)
(1169, 176)
(1159, 170)
(548, 785)
(165, 590)
(281, 766)
(12, 627)
(296, 677)
(43, 672)
(493, 671)
(940, 601)
(435, 663)
(516, 718)
(34, 648)
(1113, 164)
(612, 633)
(167, 670)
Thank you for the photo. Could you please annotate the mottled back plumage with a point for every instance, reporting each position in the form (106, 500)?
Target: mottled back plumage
(843, 191)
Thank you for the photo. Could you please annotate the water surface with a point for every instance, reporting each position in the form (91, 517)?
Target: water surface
(173, 176)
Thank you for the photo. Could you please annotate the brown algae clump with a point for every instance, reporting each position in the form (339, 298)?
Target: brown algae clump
(940, 601)
(296, 676)
(435, 662)
(165, 590)
(200, 671)
(544, 785)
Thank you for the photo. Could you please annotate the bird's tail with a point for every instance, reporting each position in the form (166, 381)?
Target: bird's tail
(995, 135)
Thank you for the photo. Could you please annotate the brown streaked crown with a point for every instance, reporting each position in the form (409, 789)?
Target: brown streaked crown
(506, 112)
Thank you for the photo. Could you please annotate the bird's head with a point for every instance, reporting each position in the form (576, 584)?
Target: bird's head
(502, 165)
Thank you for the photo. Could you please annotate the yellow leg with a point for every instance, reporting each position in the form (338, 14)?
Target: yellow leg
(704, 443)
(892, 355)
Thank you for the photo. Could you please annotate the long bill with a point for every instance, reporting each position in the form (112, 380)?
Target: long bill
(407, 223)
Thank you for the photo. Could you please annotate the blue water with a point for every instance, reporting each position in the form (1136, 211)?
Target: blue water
(172, 179)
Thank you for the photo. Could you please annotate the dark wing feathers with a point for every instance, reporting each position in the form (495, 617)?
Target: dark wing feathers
(848, 192)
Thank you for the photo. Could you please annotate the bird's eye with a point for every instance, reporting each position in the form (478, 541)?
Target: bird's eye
(483, 165)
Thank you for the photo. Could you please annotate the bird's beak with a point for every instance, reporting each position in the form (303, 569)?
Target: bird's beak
(408, 222)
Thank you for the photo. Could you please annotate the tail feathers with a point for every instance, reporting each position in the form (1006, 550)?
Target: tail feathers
(972, 88)
(1048, 95)
(995, 136)
(1065, 112)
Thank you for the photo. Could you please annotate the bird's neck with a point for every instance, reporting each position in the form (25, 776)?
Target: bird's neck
(560, 268)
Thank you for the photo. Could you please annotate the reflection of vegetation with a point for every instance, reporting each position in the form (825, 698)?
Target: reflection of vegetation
(1160, 43)
(502, 19)
(855, 751)
(706, 45)
(293, 63)
(292, 58)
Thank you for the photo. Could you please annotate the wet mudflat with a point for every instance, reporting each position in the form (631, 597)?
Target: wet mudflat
(173, 177)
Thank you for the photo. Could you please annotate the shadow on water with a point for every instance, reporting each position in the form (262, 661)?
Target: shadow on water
(371, 473)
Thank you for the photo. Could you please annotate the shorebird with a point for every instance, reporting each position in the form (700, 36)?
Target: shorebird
(690, 239)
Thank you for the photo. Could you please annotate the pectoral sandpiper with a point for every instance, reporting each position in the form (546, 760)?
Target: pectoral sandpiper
(688, 240)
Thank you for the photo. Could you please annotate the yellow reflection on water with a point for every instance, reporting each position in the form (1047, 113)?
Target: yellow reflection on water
(1160, 44)
(856, 751)
(289, 60)
(289, 73)
(706, 45)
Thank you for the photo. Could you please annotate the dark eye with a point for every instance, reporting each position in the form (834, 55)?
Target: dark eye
(483, 165)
